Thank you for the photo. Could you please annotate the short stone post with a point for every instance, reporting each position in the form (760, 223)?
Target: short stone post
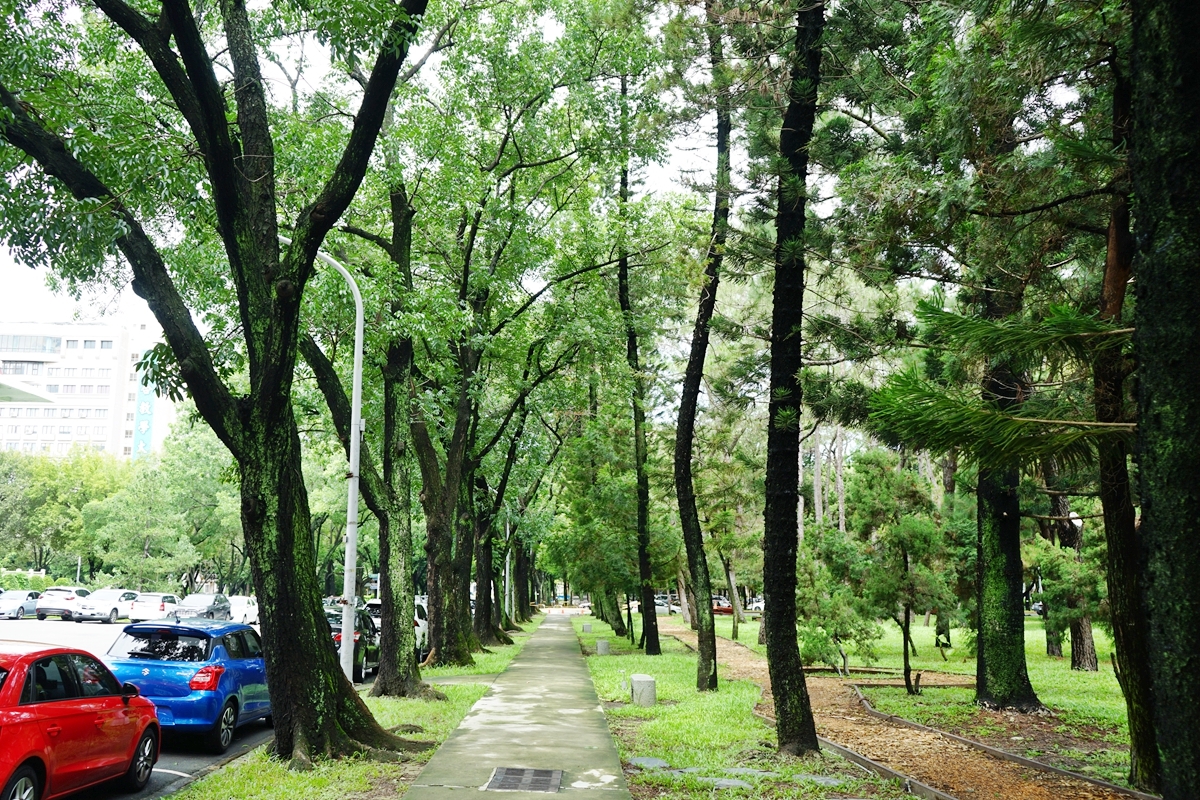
(587, 627)
(642, 691)
(602, 647)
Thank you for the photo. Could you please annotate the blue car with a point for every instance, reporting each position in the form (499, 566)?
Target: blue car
(205, 677)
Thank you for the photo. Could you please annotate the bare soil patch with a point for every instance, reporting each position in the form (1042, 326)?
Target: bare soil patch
(944, 764)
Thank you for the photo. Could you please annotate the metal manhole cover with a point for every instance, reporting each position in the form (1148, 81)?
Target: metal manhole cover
(515, 779)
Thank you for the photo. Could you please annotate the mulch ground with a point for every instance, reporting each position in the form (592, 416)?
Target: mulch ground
(942, 763)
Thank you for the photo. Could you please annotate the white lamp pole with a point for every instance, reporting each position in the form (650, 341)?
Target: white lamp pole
(350, 569)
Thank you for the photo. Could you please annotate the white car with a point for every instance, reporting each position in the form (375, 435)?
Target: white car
(106, 605)
(421, 625)
(244, 608)
(152, 605)
(756, 604)
(60, 601)
(18, 603)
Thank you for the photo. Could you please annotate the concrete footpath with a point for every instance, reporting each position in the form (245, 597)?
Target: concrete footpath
(541, 713)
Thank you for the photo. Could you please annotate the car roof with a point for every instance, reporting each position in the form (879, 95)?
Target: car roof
(12, 650)
(67, 589)
(190, 627)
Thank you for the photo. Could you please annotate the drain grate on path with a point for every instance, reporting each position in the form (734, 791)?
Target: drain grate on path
(516, 779)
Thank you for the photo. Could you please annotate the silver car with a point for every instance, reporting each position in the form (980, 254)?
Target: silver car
(106, 605)
(18, 603)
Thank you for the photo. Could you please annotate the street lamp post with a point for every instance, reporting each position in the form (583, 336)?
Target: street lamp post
(351, 563)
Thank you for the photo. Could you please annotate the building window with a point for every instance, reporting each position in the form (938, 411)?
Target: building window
(11, 445)
(68, 388)
(98, 447)
(99, 430)
(14, 428)
(72, 344)
(31, 412)
(132, 377)
(50, 412)
(84, 413)
(31, 430)
(89, 344)
(106, 344)
(67, 412)
(128, 434)
(88, 372)
(102, 388)
(132, 397)
(129, 417)
(27, 446)
(52, 388)
(69, 372)
(14, 412)
(64, 429)
(101, 413)
(63, 447)
(105, 373)
(81, 430)
(53, 372)
(46, 447)
(133, 358)
(127, 451)
(47, 430)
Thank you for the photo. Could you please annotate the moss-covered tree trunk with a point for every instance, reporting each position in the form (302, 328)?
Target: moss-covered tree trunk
(1165, 171)
(795, 727)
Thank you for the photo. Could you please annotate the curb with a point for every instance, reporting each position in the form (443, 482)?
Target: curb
(1001, 754)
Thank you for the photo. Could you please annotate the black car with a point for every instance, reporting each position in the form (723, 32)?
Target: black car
(208, 606)
(366, 639)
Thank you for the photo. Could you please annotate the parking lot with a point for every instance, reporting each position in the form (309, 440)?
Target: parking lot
(181, 757)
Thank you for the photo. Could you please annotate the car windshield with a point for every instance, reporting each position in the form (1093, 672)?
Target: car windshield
(334, 616)
(198, 600)
(161, 645)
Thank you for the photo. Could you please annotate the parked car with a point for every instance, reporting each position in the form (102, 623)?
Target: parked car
(721, 605)
(206, 677)
(151, 605)
(68, 723)
(755, 604)
(244, 608)
(208, 606)
(60, 601)
(106, 605)
(366, 639)
(18, 603)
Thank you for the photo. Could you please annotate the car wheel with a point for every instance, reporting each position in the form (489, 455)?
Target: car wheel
(41, 616)
(221, 736)
(112, 618)
(142, 764)
(23, 785)
(20, 612)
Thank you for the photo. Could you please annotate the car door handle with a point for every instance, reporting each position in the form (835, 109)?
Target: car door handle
(53, 730)
(99, 723)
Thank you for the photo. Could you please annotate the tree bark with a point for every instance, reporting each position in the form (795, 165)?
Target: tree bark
(645, 575)
(795, 727)
(1165, 171)
(701, 617)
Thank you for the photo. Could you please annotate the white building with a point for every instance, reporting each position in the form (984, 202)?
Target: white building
(77, 383)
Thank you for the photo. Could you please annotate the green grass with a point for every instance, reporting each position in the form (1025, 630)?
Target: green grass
(260, 777)
(710, 731)
(494, 661)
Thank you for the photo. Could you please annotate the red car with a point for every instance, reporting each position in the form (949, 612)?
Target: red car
(67, 723)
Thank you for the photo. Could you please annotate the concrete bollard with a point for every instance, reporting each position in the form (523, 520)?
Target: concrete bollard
(642, 691)
(602, 647)
(587, 627)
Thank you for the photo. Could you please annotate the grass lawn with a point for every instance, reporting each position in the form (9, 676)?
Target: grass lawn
(713, 733)
(259, 777)
(494, 661)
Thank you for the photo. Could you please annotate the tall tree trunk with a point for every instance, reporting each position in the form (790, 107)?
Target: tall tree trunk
(1109, 371)
(486, 608)
(818, 479)
(1070, 536)
(1001, 676)
(701, 617)
(522, 599)
(1165, 171)
(795, 727)
(645, 575)
(840, 465)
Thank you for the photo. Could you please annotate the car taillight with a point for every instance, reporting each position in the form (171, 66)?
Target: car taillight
(416, 624)
(162, 606)
(207, 678)
(337, 637)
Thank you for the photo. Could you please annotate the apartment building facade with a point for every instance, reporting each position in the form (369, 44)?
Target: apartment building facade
(65, 385)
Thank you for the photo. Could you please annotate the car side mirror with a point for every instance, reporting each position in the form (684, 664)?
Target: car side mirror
(129, 690)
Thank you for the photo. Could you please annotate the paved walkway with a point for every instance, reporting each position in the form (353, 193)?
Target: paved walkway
(540, 713)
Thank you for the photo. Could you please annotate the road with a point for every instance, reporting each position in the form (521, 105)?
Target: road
(181, 757)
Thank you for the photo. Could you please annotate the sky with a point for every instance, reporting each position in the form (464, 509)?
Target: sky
(25, 297)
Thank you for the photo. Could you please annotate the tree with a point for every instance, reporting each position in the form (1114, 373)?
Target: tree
(1165, 172)
(795, 728)
(93, 179)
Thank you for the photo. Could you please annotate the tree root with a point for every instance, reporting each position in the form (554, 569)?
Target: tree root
(405, 728)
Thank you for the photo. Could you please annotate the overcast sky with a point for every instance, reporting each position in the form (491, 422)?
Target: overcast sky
(25, 297)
